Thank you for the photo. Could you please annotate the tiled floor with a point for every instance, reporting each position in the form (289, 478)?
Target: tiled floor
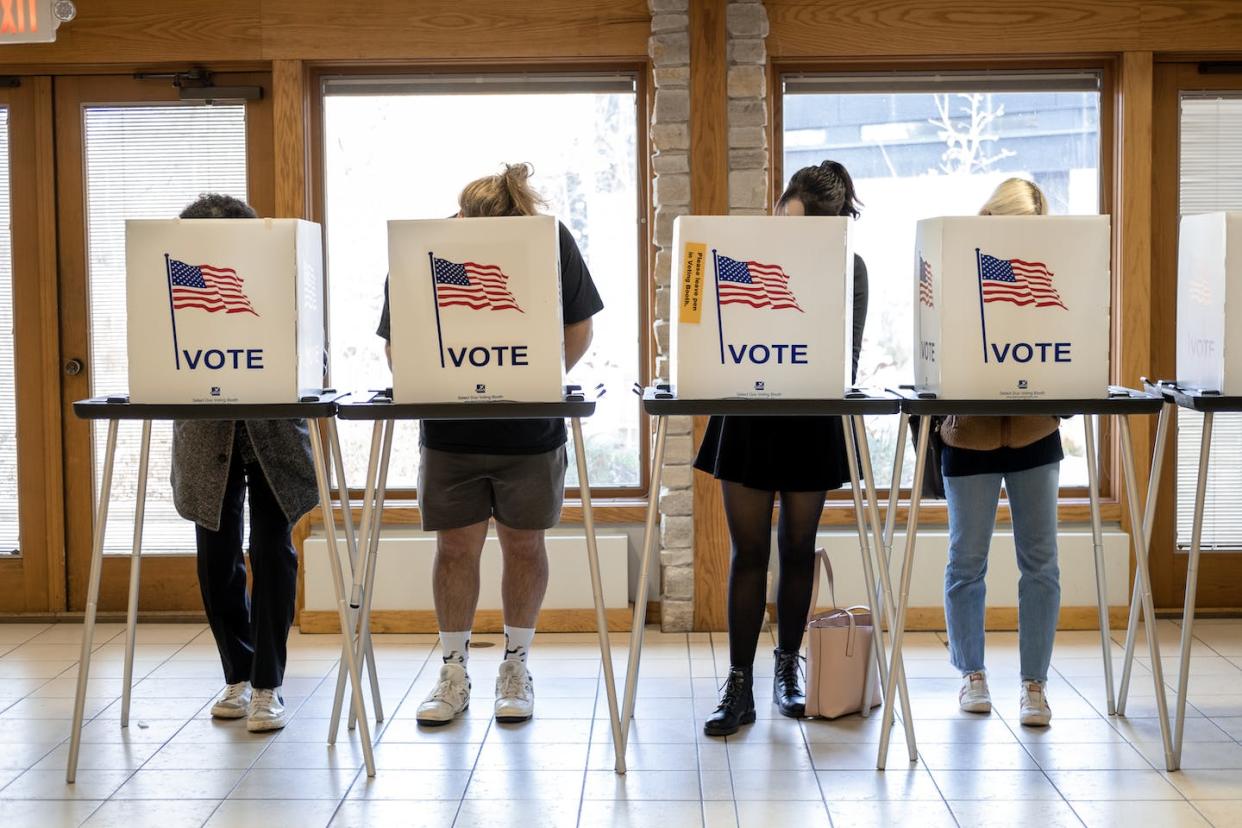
(175, 766)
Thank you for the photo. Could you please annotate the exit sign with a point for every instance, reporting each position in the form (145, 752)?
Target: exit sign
(33, 21)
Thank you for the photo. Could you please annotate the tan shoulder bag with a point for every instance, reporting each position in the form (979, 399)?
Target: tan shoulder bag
(838, 654)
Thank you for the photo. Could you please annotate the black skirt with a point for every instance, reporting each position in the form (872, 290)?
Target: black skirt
(777, 454)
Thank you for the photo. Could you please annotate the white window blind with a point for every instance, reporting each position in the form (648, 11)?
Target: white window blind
(9, 539)
(1211, 180)
(145, 162)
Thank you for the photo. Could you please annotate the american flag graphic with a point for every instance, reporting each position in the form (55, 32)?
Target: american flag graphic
(471, 285)
(208, 288)
(754, 283)
(1018, 282)
(925, 283)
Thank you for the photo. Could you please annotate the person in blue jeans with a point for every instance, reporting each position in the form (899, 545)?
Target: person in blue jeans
(1023, 453)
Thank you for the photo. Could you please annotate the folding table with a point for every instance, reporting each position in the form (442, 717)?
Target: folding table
(661, 403)
(316, 410)
(383, 413)
(1120, 403)
(1208, 403)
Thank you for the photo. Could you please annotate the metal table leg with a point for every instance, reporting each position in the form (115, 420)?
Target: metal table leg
(334, 720)
(338, 583)
(366, 573)
(92, 599)
(1097, 546)
(887, 602)
(597, 588)
(353, 540)
(135, 562)
(1192, 581)
(640, 601)
(903, 598)
(1144, 572)
(1149, 516)
(864, 546)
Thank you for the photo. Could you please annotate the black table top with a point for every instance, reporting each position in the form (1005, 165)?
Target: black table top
(660, 401)
(1196, 399)
(381, 407)
(1119, 401)
(118, 407)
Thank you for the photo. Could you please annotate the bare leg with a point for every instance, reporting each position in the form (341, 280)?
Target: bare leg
(525, 578)
(455, 580)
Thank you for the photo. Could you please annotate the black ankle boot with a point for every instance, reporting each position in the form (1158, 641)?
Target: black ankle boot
(737, 705)
(786, 689)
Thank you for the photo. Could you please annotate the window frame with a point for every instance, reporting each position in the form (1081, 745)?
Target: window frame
(1073, 502)
(618, 502)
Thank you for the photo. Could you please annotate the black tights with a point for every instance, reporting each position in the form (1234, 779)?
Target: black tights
(749, 515)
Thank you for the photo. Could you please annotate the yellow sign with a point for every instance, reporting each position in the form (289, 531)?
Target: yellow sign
(694, 265)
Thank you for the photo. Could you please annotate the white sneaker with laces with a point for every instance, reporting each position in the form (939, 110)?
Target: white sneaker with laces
(448, 698)
(267, 711)
(234, 703)
(974, 696)
(1033, 704)
(515, 693)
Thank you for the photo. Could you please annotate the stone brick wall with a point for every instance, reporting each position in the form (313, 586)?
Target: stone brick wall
(669, 47)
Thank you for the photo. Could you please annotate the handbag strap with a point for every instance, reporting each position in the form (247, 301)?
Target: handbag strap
(821, 556)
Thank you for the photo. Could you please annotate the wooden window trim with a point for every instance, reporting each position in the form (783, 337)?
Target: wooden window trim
(1106, 66)
(641, 72)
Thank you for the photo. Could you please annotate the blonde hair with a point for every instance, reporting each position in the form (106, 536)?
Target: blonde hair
(1016, 197)
(506, 194)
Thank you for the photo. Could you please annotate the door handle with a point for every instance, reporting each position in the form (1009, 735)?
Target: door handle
(73, 367)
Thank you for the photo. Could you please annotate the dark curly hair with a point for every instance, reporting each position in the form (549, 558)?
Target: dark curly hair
(826, 190)
(215, 205)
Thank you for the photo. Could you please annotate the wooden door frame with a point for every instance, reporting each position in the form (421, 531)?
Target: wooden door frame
(1220, 576)
(171, 582)
(34, 581)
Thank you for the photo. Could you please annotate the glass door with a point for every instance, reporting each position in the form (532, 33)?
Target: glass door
(129, 148)
(1197, 145)
(31, 579)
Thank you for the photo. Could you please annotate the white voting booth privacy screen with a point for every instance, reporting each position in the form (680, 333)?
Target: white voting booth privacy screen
(475, 309)
(763, 307)
(1209, 302)
(224, 310)
(1012, 307)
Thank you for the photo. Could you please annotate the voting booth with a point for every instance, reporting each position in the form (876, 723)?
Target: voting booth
(1209, 303)
(763, 307)
(224, 310)
(1012, 307)
(475, 310)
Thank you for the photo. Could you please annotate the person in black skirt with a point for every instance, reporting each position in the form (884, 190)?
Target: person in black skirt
(799, 458)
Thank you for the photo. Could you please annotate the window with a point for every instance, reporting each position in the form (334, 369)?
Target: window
(9, 540)
(403, 147)
(1211, 180)
(145, 162)
(924, 145)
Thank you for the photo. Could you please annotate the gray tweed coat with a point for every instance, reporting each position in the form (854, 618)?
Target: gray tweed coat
(203, 450)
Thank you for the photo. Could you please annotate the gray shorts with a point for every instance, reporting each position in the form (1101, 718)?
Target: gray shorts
(522, 491)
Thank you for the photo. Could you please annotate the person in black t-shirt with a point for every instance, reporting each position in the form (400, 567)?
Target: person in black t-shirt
(512, 470)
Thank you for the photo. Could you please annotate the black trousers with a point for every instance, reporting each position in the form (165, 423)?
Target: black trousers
(251, 630)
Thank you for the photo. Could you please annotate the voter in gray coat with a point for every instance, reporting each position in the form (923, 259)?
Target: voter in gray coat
(214, 463)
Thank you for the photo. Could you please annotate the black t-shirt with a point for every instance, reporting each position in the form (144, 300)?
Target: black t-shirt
(960, 462)
(579, 301)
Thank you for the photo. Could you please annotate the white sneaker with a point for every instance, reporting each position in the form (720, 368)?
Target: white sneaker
(267, 711)
(234, 703)
(974, 696)
(449, 697)
(515, 693)
(1033, 703)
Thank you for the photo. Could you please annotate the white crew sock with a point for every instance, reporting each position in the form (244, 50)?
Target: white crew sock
(517, 642)
(453, 647)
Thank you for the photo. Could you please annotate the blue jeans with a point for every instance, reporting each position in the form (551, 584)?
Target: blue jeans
(972, 518)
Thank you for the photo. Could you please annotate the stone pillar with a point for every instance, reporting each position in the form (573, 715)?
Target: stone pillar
(669, 48)
(747, 25)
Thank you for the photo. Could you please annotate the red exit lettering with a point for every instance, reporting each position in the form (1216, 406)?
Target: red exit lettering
(19, 16)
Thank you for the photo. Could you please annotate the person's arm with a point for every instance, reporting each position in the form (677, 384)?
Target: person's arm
(577, 342)
(861, 295)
